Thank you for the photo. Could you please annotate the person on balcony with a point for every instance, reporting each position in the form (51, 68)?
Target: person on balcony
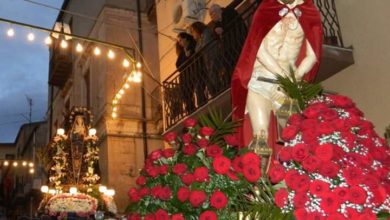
(285, 35)
(229, 27)
(207, 59)
(187, 44)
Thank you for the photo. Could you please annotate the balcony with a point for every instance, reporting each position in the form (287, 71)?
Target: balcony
(60, 66)
(192, 90)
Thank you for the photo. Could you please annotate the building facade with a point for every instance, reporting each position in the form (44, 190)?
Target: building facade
(87, 80)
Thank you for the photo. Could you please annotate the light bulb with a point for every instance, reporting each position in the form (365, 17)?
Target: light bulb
(6, 163)
(114, 109)
(24, 163)
(15, 164)
(31, 164)
(115, 101)
(60, 131)
(79, 48)
(114, 115)
(48, 41)
(102, 189)
(121, 91)
(64, 44)
(92, 132)
(97, 51)
(31, 37)
(10, 32)
(111, 54)
(73, 190)
(52, 191)
(110, 192)
(126, 86)
(118, 96)
(31, 171)
(44, 189)
(138, 65)
(126, 63)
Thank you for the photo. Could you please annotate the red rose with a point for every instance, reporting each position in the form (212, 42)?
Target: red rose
(165, 193)
(203, 142)
(289, 132)
(179, 168)
(352, 175)
(329, 114)
(314, 110)
(144, 191)
(341, 101)
(186, 138)
(300, 152)
(170, 137)
(310, 136)
(325, 128)
(339, 124)
(232, 175)
(300, 199)
(149, 216)
(201, 174)
(336, 216)
(221, 165)
(291, 177)
(133, 195)
(354, 121)
(183, 194)
(161, 214)
(371, 181)
(218, 200)
(188, 179)
(189, 149)
(206, 131)
(324, 152)
(300, 214)
(281, 197)
(208, 215)
(169, 152)
(250, 158)
(163, 169)
(285, 154)
(355, 111)
(214, 151)
(155, 155)
(357, 195)
(367, 214)
(231, 140)
(141, 180)
(315, 215)
(197, 197)
(177, 216)
(329, 169)
(295, 119)
(189, 123)
(237, 164)
(276, 173)
(152, 171)
(303, 183)
(155, 191)
(134, 216)
(251, 173)
(309, 124)
(319, 187)
(341, 193)
(311, 163)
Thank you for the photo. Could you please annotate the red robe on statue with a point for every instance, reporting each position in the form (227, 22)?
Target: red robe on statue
(264, 19)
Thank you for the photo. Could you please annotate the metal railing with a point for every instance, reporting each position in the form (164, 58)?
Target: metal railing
(207, 73)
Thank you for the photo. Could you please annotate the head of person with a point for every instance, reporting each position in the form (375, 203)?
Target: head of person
(215, 12)
(184, 39)
(196, 29)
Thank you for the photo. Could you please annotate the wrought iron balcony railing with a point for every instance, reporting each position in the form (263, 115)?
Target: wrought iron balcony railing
(207, 73)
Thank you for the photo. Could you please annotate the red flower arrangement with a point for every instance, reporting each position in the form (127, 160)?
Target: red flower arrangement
(198, 179)
(333, 165)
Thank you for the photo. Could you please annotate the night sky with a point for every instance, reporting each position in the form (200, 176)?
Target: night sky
(23, 64)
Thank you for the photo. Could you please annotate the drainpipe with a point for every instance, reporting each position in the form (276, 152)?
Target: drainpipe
(143, 102)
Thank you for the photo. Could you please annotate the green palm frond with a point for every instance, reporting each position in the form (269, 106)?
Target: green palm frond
(301, 91)
(222, 125)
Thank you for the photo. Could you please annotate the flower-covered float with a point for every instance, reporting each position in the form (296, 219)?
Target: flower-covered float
(74, 188)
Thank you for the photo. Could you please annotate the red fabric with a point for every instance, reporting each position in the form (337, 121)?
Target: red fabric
(264, 19)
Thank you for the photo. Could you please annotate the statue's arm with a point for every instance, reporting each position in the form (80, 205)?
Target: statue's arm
(307, 63)
(264, 56)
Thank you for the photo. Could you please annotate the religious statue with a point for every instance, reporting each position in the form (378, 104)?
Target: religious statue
(285, 38)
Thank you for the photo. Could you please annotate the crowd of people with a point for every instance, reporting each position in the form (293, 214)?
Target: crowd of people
(204, 72)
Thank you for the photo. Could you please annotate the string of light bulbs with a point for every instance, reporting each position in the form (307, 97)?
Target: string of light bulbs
(19, 163)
